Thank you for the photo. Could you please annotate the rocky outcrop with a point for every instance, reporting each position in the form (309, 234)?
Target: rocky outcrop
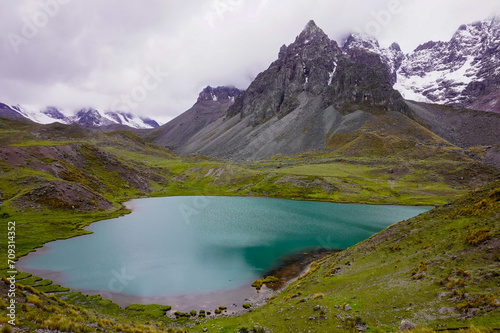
(367, 50)
(221, 93)
(306, 65)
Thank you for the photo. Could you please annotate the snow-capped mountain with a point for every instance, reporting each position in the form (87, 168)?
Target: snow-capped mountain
(464, 71)
(86, 117)
(457, 72)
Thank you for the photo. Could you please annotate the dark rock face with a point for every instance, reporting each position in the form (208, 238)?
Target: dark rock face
(219, 93)
(6, 110)
(54, 113)
(151, 122)
(90, 118)
(367, 50)
(305, 65)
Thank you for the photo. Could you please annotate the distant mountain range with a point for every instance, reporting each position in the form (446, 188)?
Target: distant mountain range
(87, 117)
(318, 95)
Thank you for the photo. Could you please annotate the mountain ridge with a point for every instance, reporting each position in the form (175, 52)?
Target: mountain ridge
(86, 117)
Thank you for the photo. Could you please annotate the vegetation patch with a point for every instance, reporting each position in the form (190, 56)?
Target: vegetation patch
(257, 284)
(478, 236)
(152, 310)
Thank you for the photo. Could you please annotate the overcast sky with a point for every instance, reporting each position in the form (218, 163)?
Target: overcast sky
(153, 57)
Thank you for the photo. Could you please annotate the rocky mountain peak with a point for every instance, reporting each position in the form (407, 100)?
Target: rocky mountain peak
(366, 49)
(314, 66)
(357, 40)
(311, 33)
(310, 30)
(220, 93)
(306, 65)
(395, 46)
(53, 113)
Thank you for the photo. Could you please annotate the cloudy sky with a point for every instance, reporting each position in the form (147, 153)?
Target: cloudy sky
(153, 57)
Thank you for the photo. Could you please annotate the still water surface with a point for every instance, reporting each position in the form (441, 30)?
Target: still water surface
(189, 245)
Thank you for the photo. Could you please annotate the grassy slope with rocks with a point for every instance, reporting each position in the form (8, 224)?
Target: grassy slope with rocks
(56, 179)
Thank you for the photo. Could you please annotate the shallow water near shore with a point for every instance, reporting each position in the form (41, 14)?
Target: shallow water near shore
(177, 249)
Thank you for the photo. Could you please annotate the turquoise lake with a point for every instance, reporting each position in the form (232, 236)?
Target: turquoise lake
(189, 245)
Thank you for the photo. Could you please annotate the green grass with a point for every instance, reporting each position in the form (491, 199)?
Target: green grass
(151, 310)
(36, 309)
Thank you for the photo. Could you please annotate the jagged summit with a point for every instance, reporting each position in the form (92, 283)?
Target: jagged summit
(367, 49)
(310, 26)
(311, 37)
(211, 105)
(306, 65)
(358, 40)
(395, 46)
(219, 93)
(310, 29)
(311, 92)
(463, 71)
